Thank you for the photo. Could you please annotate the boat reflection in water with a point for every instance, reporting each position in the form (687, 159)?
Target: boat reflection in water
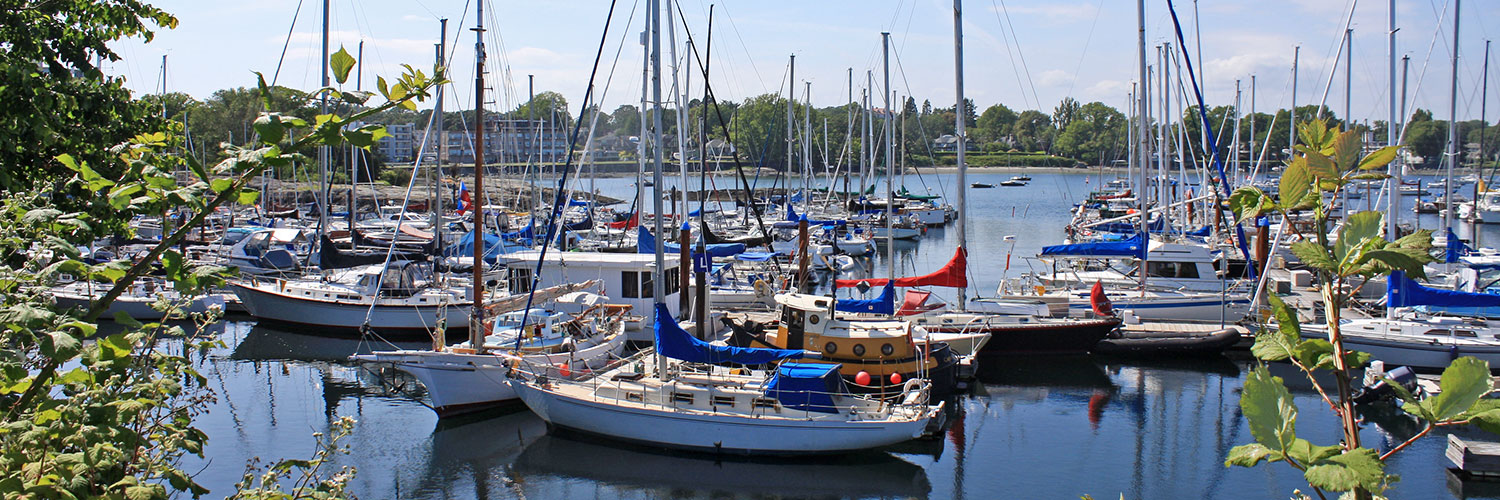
(468, 455)
(553, 465)
(262, 343)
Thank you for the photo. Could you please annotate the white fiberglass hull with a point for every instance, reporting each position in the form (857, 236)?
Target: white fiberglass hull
(137, 306)
(711, 432)
(1174, 308)
(266, 303)
(1425, 352)
(461, 383)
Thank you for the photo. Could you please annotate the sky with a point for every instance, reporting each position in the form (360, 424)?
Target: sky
(1026, 54)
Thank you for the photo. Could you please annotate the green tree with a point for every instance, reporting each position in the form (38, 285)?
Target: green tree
(1096, 134)
(1065, 112)
(996, 122)
(1032, 131)
(626, 120)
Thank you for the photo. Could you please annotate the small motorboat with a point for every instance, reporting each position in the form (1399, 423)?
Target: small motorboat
(981, 185)
(1013, 182)
(1021, 178)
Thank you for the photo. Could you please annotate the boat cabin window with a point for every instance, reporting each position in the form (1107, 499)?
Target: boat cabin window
(1455, 333)
(398, 282)
(519, 279)
(1158, 269)
(637, 285)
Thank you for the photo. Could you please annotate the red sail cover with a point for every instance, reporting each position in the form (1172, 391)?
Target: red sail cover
(633, 221)
(952, 275)
(1100, 301)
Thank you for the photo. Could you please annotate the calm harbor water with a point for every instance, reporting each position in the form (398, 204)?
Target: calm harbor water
(1033, 427)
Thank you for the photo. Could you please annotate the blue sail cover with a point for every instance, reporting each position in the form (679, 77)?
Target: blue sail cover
(464, 247)
(1456, 248)
(527, 232)
(794, 218)
(884, 304)
(1403, 292)
(806, 386)
(673, 342)
(756, 256)
(1133, 247)
(645, 242)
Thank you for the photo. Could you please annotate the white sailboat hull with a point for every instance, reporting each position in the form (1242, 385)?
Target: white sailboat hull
(266, 303)
(461, 383)
(709, 432)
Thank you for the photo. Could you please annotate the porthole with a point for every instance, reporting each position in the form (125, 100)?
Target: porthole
(830, 348)
(813, 318)
(887, 349)
(859, 349)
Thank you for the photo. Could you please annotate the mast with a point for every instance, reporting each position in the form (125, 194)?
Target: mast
(678, 94)
(476, 323)
(806, 145)
(437, 201)
(322, 150)
(1164, 130)
(1484, 87)
(659, 284)
(359, 77)
(1452, 124)
(640, 143)
(1393, 169)
(1144, 131)
(791, 98)
(1291, 134)
(1348, 79)
(963, 185)
(890, 160)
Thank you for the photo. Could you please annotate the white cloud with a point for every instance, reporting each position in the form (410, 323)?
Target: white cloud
(1054, 78)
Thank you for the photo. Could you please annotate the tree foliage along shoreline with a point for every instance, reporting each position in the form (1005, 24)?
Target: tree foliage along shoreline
(93, 412)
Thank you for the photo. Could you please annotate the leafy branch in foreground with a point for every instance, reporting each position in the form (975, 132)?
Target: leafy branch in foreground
(93, 414)
(1326, 161)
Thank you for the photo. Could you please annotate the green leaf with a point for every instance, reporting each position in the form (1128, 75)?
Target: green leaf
(1347, 471)
(341, 62)
(265, 91)
(1420, 239)
(248, 197)
(1357, 229)
(1314, 256)
(1321, 167)
(1269, 409)
(1347, 148)
(1281, 344)
(1296, 185)
(270, 128)
(115, 346)
(1312, 352)
(1464, 381)
(1248, 455)
(59, 345)
(1400, 259)
(1249, 202)
(219, 185)
(1379, 158)
(383, 87)
(1488, 421)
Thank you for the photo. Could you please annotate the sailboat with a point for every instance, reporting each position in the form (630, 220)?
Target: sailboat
(679, 394)
(470, 376)
(1418, 340)
(1003, 333)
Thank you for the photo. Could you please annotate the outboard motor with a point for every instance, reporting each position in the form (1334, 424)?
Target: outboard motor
(1377, 383)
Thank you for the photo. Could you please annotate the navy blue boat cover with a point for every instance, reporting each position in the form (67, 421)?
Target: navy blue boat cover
(1401, 291)
(673, 342)
(464, 247)
(884, 304)
(1133, 247)
(806, 386)
(645, 242)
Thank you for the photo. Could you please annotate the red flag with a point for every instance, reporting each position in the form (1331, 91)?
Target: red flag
(1100, 302)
